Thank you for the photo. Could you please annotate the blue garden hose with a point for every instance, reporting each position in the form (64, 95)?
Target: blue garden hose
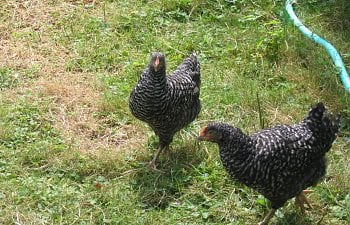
(344, 76)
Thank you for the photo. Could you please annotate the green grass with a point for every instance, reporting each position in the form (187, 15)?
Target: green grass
(50, 175)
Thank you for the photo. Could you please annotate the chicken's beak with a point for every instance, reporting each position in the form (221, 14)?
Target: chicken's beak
(200, 138)
(156, 64)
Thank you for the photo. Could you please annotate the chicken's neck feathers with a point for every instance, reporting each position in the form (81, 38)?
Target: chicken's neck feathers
(240, 146)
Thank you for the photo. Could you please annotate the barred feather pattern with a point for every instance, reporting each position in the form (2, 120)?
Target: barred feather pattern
(167, 103)
(281, 161)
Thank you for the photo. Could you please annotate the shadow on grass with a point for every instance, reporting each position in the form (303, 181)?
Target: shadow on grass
(336, 12)
(158, 188)
(339, 21)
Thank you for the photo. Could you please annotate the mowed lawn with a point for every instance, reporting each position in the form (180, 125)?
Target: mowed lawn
(72, 153)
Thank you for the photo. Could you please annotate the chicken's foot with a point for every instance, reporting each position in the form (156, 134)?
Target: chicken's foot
(268, 217)
(152, 163)
(302, 200)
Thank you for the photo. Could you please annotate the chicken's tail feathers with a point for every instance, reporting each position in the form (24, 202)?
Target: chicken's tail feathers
(190, 67)
(194, 61)
(196, 68)
(332, 122)
(193, 65)
(319, 113)
(194, 56)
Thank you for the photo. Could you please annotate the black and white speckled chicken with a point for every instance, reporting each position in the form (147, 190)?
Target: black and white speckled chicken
(279, 162)
(167, 103)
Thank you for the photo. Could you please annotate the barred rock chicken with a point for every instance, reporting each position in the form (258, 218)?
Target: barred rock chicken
(279, 162)
(167, 103)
